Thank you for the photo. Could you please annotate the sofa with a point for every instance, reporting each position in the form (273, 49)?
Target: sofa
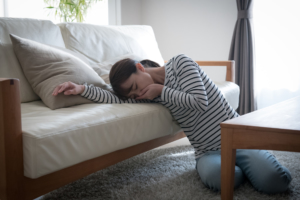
(42, 149)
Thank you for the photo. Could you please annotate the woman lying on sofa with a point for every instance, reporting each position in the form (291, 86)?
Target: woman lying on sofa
(199, 107)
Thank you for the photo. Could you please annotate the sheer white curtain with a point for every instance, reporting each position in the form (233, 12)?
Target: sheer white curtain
(97, 14)
(277, 45)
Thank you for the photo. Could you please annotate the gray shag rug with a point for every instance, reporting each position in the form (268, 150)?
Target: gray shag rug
(165, 174)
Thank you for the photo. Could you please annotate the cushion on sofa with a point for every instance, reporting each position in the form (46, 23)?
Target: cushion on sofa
(231, 92)
(43, 31)
(45, 67)
(56, 139)
(109, 42)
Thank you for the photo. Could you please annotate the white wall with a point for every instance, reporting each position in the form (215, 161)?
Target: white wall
(201, 29)
(131, 12)
(1, 8)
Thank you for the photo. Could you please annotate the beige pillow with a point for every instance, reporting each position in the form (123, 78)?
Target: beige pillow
(45, 67)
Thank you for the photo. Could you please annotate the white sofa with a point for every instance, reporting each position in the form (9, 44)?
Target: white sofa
(43, 149)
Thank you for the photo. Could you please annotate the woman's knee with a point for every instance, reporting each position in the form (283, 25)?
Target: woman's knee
(264, 171)
(209, 170)
(274, 181)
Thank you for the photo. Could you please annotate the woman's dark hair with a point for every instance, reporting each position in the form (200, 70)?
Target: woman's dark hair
(122, 70)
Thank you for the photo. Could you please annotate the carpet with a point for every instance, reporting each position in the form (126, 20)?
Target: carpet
(165, 174)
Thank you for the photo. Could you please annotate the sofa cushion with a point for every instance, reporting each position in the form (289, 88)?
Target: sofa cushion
(45, 67)
(108, 42)
(43, 31)
(56, 139)
(230, 91)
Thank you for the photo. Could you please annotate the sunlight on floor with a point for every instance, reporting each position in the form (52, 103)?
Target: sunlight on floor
(183, 153)
(180, 142)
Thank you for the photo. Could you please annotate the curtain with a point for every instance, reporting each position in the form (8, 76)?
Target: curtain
(242, 52)
(277, 42)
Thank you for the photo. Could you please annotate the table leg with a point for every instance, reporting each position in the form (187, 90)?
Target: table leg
(228, 155)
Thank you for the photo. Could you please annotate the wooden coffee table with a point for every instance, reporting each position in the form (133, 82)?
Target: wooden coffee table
(276, 127)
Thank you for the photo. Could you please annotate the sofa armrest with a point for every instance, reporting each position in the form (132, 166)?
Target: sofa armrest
(230, 70)
(11, 146)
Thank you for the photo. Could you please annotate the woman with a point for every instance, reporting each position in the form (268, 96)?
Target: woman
(199, 107)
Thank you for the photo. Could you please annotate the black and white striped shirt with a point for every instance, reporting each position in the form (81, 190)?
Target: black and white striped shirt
(192, 98)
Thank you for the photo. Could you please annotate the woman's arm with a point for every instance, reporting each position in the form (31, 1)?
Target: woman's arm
(100, 95)
(193, 94)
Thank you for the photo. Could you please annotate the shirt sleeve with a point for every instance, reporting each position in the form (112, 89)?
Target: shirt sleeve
(100, 95)
(193, 92)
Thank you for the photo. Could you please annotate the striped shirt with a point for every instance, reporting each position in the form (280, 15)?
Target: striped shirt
(194, 101)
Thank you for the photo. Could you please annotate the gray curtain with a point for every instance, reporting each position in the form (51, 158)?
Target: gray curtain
(242, 52)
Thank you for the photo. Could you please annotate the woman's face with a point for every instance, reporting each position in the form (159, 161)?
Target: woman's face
(137, 81)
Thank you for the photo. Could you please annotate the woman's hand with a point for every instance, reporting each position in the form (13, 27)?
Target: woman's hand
(69, 88)
(151, 91)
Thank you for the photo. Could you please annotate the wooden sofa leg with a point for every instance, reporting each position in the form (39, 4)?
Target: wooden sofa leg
(11, 146)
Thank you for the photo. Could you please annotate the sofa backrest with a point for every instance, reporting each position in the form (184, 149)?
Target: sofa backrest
(43, 31)
(100, 43)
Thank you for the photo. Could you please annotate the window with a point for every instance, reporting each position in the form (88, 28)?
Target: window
(97, 14)
(277, 50)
